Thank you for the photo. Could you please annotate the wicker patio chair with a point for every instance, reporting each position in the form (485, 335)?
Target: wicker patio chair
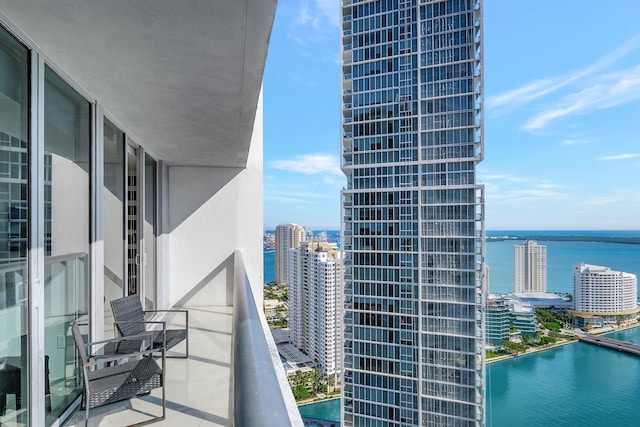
(109, 379)
(130, 320)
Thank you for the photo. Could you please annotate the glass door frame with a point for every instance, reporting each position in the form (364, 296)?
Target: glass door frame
(140, 261)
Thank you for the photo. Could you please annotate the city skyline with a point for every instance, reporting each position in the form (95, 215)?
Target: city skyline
(559, 145)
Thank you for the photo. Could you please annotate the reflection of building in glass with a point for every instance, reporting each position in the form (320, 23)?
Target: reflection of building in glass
(314, 276)
(14, 217)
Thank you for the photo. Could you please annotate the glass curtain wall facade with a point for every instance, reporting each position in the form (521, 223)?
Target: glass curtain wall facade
(412, 213)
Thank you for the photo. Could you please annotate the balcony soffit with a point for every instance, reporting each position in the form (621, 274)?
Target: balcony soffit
(182, 76)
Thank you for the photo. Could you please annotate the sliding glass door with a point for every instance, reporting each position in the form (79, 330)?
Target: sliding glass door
(113, 202)
(14, 229)
(67, 172)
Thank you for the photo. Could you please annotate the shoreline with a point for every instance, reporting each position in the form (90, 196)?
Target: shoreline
(533, 350)
(316, 400)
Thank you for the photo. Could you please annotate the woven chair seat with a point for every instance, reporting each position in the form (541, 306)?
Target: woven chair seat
(112, 378)
(121, 382)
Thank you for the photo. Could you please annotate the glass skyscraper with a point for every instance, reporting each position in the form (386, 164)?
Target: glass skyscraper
(412, 213)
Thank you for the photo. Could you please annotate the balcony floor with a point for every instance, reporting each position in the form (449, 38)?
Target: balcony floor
(198, 389)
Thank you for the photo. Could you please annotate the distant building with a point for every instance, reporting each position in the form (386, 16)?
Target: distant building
(497, 320)
(485, 278)
(544, 300)
(287, 236)
(315, 286)
(529, 267)
(523, 318)
(600, 292)
(505, 312)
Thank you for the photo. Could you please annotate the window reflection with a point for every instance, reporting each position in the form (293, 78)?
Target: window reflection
(113, 201)
(67, 145)
(14, 217)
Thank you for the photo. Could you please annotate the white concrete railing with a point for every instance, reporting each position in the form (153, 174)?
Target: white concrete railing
(261, 393)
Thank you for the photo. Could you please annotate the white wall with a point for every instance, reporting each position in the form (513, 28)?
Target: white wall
(212, 212)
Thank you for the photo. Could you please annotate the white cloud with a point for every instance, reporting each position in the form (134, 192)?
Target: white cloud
(315, 21)
(310, 164)
(605, 91)
(623, 156)
(576, 141)
(541, 87)
(500, 177)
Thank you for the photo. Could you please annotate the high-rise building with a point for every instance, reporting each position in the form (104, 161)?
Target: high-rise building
(315, 279)
(529, 267)
(412, 212)
(288, 236)
(600, 291)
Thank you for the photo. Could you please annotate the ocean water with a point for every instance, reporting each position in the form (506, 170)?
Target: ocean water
(269, 266)
(562, 256)
(573, 385)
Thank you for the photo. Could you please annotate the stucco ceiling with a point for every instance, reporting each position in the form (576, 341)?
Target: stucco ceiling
(181, 76)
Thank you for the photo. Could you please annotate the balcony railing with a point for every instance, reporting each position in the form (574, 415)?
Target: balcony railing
(260, 396)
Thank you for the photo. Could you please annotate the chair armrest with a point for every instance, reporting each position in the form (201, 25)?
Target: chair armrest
(130, 337)
(101, 360)
(147, 336)
(157, 322)
(186, 314)
(167, 311)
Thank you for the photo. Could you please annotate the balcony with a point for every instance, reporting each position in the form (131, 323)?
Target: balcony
(233, 375)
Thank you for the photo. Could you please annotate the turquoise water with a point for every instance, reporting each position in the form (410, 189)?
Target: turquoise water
(269, 266)
(326, 410)
(573, 385)
(561, 257)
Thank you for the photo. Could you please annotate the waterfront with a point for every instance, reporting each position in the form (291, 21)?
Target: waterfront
(561, 257)
(572, 385)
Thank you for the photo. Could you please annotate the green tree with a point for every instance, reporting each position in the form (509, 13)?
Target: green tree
(552, 326)
(300, 392)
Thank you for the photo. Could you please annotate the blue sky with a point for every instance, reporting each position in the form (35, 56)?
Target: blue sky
(562, 115)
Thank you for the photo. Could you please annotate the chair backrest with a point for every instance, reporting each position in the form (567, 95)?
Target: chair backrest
(128, 309)
(80, 346)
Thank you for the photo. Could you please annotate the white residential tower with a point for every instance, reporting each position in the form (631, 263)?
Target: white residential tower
(529, 267)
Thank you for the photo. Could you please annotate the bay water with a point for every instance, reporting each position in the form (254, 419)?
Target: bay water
(573, 385)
